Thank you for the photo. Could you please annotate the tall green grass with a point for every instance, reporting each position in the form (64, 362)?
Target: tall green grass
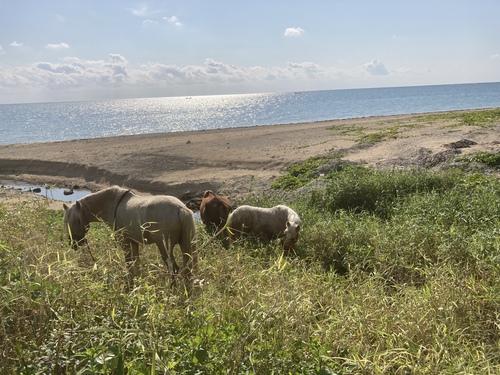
(396, 272)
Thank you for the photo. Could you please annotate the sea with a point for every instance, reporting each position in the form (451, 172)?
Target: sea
(56, 121)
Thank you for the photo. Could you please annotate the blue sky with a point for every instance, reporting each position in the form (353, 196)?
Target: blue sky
(53, 50)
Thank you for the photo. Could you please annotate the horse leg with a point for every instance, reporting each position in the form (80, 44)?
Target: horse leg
(173, 268)
(189, 264)
(132, 259)
(164, 246)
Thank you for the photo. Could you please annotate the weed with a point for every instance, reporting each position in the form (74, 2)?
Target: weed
(364, 135)
(300, 174)
(378, 136)
(489, 159)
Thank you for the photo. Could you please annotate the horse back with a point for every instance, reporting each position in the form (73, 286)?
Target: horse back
(155, 217)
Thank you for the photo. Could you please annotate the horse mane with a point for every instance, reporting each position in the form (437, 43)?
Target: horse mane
(102, 204)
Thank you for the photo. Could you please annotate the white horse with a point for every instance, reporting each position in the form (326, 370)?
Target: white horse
(268, 223)
(162, 220)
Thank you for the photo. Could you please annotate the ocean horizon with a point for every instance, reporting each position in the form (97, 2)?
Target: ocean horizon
(56, 121)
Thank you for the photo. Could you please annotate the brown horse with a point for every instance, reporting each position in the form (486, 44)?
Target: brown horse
(162, 220)
(214, 210)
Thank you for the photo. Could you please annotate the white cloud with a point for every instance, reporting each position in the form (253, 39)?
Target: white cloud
(496, 56)
(173, 20)
(117, 59)
(149, 23)
(375, 68)
(68, 74)
(141, 11)
(15, 44)
(57, 68)
(144, 11)
(294, 32)
(57, 46)
(308, 69)
(151, 19)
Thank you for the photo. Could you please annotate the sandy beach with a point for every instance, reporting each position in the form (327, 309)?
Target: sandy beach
(237, 161)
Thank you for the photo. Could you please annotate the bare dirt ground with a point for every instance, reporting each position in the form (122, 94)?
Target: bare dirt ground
(243, 160)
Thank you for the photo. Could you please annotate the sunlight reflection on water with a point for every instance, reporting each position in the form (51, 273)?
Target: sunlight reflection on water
(46, 122)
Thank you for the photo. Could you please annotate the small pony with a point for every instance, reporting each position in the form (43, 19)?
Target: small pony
(163, 220)
(268, 223)
(214, 210)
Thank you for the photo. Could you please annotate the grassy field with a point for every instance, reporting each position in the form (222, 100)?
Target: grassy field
(396, 272)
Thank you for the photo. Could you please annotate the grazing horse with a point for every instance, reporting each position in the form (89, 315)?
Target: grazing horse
(214, 210)
(162, 220)
(268, 223)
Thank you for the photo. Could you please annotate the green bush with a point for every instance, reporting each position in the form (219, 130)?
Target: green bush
(358, 189)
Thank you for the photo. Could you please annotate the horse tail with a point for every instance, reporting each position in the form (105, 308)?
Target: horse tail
(223, 216)
(187, 241)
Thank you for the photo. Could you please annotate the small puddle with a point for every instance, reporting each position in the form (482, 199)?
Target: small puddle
(51, 192)
(54, 192)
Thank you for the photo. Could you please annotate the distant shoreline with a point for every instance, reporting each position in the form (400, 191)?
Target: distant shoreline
(236, 128)
(236, 161)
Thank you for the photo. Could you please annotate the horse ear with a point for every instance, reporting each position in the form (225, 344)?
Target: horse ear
(65, 207)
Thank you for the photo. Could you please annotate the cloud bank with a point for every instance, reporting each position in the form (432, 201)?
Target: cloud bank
(74, 72)
(114, 77)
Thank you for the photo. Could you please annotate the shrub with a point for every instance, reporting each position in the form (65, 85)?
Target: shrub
(359, 189)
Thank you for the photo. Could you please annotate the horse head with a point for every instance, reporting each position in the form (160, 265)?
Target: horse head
(208, 193)
(75, 225)
(214, 210)
(290, 235)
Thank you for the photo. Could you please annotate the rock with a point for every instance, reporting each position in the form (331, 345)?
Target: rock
(440, 157)
(194, 204)
(68, 191)
(37, 190)
(463, 143)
